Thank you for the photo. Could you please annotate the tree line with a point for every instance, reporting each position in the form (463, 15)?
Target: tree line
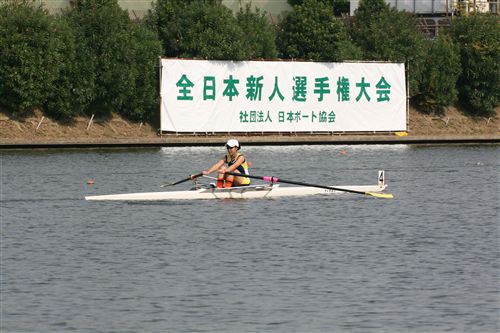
(93, 59)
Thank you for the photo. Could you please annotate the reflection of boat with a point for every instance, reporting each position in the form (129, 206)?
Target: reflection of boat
(270, 190)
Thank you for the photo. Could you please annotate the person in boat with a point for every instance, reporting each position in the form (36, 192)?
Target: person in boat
(236, 163)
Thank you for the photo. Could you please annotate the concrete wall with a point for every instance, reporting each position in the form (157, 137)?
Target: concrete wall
(136, 8)
(139, 8)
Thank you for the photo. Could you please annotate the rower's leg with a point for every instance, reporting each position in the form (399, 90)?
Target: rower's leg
(220, 180)
(229, 181)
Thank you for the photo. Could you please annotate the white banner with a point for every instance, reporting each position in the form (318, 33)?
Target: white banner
(271, 96)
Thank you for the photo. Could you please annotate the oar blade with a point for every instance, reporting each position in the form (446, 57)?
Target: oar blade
(380, 195)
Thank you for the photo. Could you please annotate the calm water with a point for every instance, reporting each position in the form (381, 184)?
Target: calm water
(426, 261)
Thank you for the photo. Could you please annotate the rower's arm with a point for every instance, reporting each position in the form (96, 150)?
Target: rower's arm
(214, 167)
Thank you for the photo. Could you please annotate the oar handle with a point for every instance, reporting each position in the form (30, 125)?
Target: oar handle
(270, 179)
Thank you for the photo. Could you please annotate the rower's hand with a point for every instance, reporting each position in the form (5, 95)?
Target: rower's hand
(205, 172)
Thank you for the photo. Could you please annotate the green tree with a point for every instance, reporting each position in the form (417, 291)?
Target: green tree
(142, 101)
(103, 26)
(259, 36)
(439, 76)
(478, 37)
(197, 29)
(30, 56)
(74, 89)
(386, 34)
(339, 6)
(122, 56)
(311, 31)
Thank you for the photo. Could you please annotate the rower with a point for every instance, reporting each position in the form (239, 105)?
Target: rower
(236, 163)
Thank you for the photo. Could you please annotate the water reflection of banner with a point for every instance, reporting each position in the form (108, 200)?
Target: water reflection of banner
(266, 96)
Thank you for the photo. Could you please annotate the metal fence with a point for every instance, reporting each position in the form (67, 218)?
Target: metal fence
(440, 7)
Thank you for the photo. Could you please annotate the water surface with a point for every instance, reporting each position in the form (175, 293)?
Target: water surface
(426, 261)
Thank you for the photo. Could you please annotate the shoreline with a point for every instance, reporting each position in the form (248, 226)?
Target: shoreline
(40, 132)
(252, 140)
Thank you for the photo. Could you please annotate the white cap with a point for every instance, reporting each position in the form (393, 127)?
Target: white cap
(233, 143)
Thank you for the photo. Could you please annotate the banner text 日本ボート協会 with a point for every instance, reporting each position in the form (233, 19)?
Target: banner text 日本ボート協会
(270, 96)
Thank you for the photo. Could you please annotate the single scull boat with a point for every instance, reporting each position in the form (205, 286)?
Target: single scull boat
(270, 190)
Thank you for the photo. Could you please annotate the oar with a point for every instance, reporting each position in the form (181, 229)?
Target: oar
(276, 180)
(182, 180)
